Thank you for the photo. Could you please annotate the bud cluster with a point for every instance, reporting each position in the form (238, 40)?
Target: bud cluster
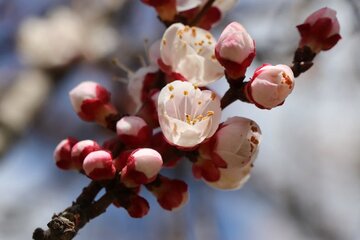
(175, 115)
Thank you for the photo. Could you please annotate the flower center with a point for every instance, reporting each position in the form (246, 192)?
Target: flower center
(192, 106)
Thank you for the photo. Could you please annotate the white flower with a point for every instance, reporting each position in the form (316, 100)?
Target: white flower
(187, 115)
(189, 51)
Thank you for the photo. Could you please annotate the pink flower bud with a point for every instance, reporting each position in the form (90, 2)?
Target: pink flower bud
(235, 50)
(142, 166)
(270, 86)
(133, 131)
(234, 145)
(98, 165)
(171, 194)
(62, 153)
(81, 150)
(91, 102)
(320, 31)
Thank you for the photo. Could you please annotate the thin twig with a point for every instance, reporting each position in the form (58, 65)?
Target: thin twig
(202, 12)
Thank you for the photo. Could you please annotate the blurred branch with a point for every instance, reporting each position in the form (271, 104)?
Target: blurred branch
(356, 10)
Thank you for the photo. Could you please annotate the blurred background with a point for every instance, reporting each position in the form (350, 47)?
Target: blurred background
(305, 184)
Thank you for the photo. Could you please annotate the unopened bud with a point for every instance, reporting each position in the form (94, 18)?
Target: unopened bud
(171, 194)
(235, 50)
(270, 86)
(98, 165)
(133, 131)
(142, 166)
(81, 150)
(137, 206)
(320, 31)
(62, 153)
(91, 102)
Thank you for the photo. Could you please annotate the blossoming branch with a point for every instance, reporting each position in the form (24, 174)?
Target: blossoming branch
(177, 116)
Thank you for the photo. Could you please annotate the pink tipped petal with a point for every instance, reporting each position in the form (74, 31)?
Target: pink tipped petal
(62, 154)
(320, 31)
(81, 150)
(270, 85)
(142, 166)
(98, 165)
(235, 50)
(133, 130)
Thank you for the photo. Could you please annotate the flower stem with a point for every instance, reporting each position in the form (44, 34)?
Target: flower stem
(235, 92)
(303, 60)
(228, 98)
(202, 12)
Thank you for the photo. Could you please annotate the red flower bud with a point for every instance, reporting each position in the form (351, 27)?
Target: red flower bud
(171, 194)
(235, 50)
(98, 165)
(91, 102)
(137, 206)
(62, 153)
(141, 167)
(129, 199)
(133, 131)
(320, 31)
(81, 150)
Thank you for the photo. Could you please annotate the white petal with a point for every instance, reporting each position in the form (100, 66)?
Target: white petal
(183, 5)
(136, 84)
(232, 179)
(187, 115)
(190, 52)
